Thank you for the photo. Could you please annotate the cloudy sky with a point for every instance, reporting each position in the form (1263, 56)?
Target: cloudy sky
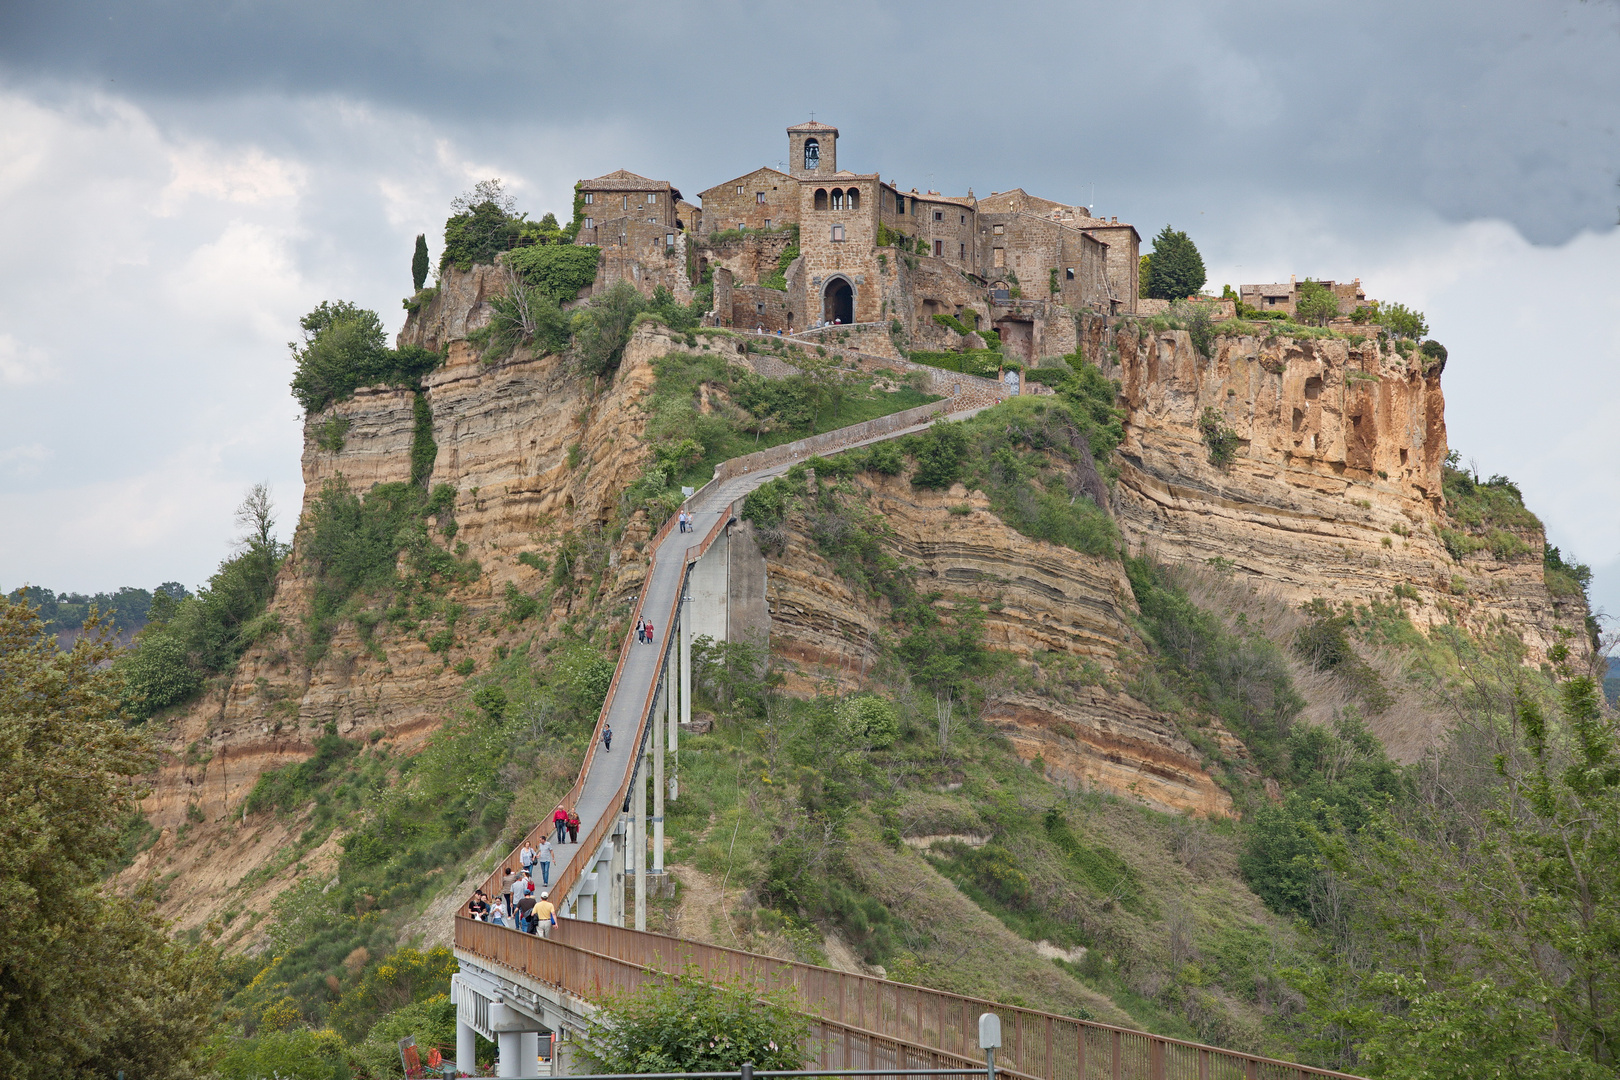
(179, 181)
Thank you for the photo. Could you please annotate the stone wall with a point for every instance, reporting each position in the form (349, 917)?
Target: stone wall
(645, 254)
(749, 257)
(755, 307)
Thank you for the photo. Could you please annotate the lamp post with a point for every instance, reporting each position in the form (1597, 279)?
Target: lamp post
(989, 1039)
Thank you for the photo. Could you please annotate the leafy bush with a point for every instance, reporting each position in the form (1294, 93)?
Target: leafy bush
(204, 635)
(777, 279)
(1402, 322)
(1316, 305)
(940, 455)
(868, 720)
(557, 271)
(296, 1054)
(602, 329)
(431, 1022)
(291, 787)
(478, 234)
(686, 1024)
(1219, 439)
(343, 349)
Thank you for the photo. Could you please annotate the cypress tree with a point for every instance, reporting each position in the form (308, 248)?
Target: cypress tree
(419, 262)
(1176, 269)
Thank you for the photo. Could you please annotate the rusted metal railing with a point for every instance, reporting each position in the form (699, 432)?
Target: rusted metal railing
(585, 958)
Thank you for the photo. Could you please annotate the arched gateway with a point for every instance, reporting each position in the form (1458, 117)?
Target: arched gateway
(838, 301)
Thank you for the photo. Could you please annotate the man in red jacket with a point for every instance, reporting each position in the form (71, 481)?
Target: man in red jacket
(559, 820)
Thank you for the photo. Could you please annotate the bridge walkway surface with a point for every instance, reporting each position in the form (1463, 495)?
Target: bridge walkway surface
(513, 985)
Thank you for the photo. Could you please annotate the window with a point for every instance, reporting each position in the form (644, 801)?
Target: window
(998, 257)
(854, 198)
(899, 204)
(998, 229)
(939, 215)
(742, 225)
(821, 198)
(669, 239)
(963, 220)
(759, 197)
(913, 207)
(589, 223)
(837, 233)
(590, 197)
(626, 202)
(838, 198)
(652, 197)
(812, 155)
(961, 252)
(939, 249)
(767, 223)
(739, 189)
(1069, 274)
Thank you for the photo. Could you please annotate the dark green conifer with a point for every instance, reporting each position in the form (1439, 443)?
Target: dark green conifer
(1176, 268)
(419, 263)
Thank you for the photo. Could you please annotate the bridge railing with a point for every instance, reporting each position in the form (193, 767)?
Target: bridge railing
(1035, 1043)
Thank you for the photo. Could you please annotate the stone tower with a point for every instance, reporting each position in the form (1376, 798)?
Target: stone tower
(812, 150)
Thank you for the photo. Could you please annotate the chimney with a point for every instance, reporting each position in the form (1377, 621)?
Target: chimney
(1113, 221)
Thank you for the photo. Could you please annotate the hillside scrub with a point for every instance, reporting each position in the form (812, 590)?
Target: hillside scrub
(189, 641)
(343, 349)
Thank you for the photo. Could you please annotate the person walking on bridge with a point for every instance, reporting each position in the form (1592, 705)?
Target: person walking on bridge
(607, 738)
(649, 634)
(543, 858)
(573, 827)
(559, 817)
(526, 856)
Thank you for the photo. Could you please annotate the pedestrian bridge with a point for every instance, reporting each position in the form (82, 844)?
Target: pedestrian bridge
(514, 986)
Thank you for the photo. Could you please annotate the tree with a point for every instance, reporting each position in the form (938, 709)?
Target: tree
(684, 1023)
(419, 263)
(1176, 270)
(1144, 276)
(1402, 321)
(1316, 304)
(89, 984)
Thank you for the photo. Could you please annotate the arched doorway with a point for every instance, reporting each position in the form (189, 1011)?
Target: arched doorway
(838, 302)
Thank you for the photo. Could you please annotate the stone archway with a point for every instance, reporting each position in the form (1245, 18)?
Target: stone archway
(838, 301)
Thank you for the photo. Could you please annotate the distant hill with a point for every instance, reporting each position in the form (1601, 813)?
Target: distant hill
(64, 613)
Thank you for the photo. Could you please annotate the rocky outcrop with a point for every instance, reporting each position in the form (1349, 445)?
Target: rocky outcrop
(1334, 489)
(1048, 605)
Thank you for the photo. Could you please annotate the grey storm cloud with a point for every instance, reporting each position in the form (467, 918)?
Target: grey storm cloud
(1500, 109)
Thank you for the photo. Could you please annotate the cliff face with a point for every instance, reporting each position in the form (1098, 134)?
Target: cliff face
(503, 434)
(1041, 602)
(1334, 490)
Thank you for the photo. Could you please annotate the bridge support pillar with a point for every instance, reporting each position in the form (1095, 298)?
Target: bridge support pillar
(615, 900)
(673, 716)
(686, 659)
(466, 1047)
(638, 840)
(529, 1053)
(510, 1044)
(658, 797)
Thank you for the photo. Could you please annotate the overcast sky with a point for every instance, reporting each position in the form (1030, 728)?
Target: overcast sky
(180, 181)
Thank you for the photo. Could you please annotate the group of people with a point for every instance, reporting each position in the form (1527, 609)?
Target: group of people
(644, 631)
(517, 905)
(684, 521)
(521, 903)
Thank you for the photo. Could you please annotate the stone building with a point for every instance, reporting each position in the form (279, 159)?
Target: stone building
(1280, 297)
(763, 199)
(870, 252)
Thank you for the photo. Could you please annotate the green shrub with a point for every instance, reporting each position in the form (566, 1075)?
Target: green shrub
(1219, 439)
(868, 721)
(344, 348)
(940, 455)
(1176, 269)
(296, 1054)
(558, 271)
(1317, 305)
(291, 787)
(331, 433)
(602, 329)
(1402, 322)
(686, 1024)
(478, 234)
(424, 451)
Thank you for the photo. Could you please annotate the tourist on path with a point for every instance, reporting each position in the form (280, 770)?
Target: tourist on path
(525, 914)
(573, 827)
(558, 818)
(607, 737)
(545, 915)
(497, 912)
(478, 907)
(543, 858)
(509, 881)
(649, 634)
(526, 856)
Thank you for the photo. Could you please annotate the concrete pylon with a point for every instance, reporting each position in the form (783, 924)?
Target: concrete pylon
(658, 796)
(638, 839)
(673, 725)
(466, 1047)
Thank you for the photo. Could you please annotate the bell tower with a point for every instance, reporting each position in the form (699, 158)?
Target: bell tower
(812, 150)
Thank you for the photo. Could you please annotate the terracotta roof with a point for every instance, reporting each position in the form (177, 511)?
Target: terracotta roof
(625, 180)
(813, 125)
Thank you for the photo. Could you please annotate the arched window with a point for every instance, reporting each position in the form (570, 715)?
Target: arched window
(854, 198)
(812, 155)
(821, 198)
(838, 198)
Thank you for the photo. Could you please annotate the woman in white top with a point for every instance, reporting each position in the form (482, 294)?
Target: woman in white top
(497, 911)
